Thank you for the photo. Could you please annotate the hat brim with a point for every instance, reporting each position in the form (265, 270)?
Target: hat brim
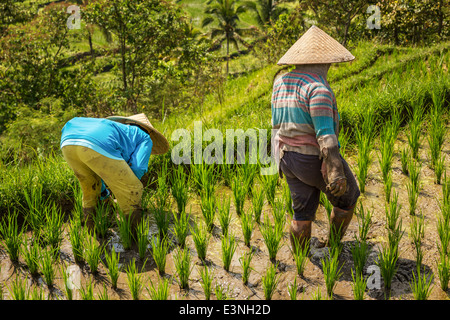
(160, 143)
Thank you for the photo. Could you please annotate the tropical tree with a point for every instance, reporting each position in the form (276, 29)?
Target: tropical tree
(267, 11)
(226, 14)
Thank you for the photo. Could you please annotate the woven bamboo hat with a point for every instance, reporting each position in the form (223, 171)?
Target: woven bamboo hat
(160, 143)
(315, 47)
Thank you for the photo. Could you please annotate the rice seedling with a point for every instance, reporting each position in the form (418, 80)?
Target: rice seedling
(413, 197)
(159, 291)
(68, 289)
(221, 292)
(179, 187)
(87, 291)
(142, 231)
(53, 228)
(394, 237)
(387, 262)
(257, 203)
(111, 263)
(12, 236)
(359, 285)
(18, 289)
(360, 253)
(204, 178)
(437, 130)
(417, 234)
(207, 277)
(270, 281)
(224, 215)
(404, 158)
(76, 237)
(278, 213)
(101, 219)
(364, 218)
(162, 201)
(364, 142)
(181, 227)
(47, 266)
(331, 272)
(334, 240)
(292, 289)
(245, 261)
(326, 204)
(201, 237)
(34, 211)
(421, 286)
(386, 150)
(300, 254)
(317, 295)
(182, 261)
(239, 187)
(444, 271)
(286, 194)
(272, 237)
(134, 280)
(92, 252)
(160, 248)
(208, 207)
(37, 293)
(103, 295)
(270, 183)
(247, 224)
(162, 219)
(229, 246)
(392, 211)
(388, 187)
(415, 127)
(125, 232)
(31, 252)
(443, 229)
(439, 168)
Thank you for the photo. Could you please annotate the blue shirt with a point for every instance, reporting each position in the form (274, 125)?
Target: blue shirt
(112, 139)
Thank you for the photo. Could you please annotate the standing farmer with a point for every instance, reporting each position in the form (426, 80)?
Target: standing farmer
(305, 113)
(114, 151)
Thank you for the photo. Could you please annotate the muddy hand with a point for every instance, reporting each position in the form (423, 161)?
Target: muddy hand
(338, 188)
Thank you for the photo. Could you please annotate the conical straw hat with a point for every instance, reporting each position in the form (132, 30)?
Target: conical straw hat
(314, 47)
(160, 143)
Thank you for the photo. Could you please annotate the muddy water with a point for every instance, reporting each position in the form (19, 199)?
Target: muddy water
(308, 284)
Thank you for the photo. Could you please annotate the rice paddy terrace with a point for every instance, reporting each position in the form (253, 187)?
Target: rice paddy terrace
(221, 231)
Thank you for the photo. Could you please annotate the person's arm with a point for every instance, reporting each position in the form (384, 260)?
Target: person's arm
(322, 116)
(139, 158)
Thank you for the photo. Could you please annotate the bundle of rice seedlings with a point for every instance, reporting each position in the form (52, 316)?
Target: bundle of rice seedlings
(364, 141)
(326, 204)
(364, 218)
(92, 253)
(300, 254)
(142, 236)
(404, 158)
(359, 285)
(293, 289)
(270, 281)
(159, 291)
(87, 290)
(31, 252)
(245, 261)
(229, 246)
(439, 168)
(239, 187)
(53, 227)
(258, 197)
(180, 187)
(331, 272)
(415, 127)
(443, 271)
(286, 194)
(360, 253)
(272, 237)
(392, 211)
(101, 219)
(103, 295)
(417, 233)
(125, 232)
(388, 187)
(221, 292)
(182, 261)
(334, 240)
(437, 128)
(413, 186)
(68, 288)
(224, 215)
(47, 266)
(269, 183)
(111, 262)
(12, 236)
(37, 293)
(421, 286)
(204, 178)
(160, 248)
(201, 237)
(162, 219)
(18, 289)
(209, 207)
(134, 280)
(181, 227)
(76, 237)
(34, 210)
(387, 262)
(207, 277)
(247, 224)
(278, 212)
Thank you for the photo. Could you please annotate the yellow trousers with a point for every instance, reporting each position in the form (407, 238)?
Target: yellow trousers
(90, 167)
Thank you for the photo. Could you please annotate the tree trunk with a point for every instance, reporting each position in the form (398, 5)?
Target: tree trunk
(91, 48)
(441, 18)
(124, 74)
(228, 52)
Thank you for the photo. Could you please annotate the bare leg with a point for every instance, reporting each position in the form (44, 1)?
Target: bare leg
(300, 232)
(340, 219)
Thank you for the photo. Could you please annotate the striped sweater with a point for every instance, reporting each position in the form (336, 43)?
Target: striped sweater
(303, 109)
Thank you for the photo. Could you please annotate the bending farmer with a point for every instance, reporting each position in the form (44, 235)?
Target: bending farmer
(114, 151)
(305, 113)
